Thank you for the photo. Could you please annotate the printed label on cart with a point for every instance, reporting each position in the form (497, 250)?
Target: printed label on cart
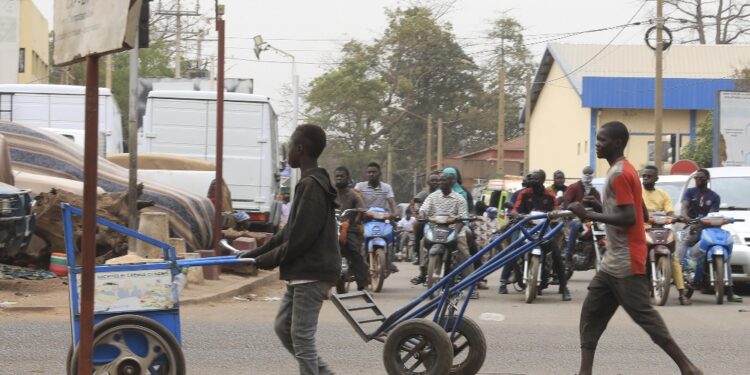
(132, 290)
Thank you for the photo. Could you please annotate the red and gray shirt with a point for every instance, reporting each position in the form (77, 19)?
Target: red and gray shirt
(626, 246)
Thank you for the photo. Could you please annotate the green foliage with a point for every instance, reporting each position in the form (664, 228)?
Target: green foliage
(701, 151)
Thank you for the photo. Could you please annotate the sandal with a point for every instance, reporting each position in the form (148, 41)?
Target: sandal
(419, 279)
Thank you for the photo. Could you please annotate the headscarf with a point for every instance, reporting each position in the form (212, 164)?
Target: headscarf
(456, 186)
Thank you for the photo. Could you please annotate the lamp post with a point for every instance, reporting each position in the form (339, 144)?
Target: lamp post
(261, 46)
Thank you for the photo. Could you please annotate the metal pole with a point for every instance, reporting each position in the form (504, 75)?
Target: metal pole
(133, 147)
(428, 166)
(88, 243)
(527, 129)
(659, 91)
(389, 164)
(414, 182)
(108, 72)
(501, 121)
(219, 184)
(440, 144)
(178, 43)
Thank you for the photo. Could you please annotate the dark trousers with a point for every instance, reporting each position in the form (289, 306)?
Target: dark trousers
(606, 293)
(418, 235)
(557, 263)
(353, 253)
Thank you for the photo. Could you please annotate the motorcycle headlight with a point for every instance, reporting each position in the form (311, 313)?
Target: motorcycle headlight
(7, 205)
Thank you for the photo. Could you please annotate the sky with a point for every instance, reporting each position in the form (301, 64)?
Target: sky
(314, 31)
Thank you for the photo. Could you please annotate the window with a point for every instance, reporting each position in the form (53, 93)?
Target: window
(21, 60)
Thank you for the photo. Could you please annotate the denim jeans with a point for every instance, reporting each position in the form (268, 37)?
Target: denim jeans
(297, 322)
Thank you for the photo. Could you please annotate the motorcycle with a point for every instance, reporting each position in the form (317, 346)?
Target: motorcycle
(588, 250)
(440, 243)
(405, 245)
(346, 276)
(379, 239)
(707, 265)
(534, 262)
(660, 242)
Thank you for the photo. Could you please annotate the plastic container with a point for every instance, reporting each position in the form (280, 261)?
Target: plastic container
(58, 264)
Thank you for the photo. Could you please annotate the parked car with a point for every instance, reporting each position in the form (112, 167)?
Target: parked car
(16, 220)
(732, 184)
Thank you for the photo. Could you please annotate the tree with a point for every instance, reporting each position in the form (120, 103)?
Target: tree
(701, 149)
(722, 21)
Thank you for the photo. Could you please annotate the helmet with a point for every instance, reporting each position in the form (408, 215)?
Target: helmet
(491, 212)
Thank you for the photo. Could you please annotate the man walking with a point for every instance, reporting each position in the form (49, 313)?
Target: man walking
(621, 280)
(352, 248)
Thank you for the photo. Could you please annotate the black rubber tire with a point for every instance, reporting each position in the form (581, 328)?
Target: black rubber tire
(378, 270)
(531, 283)
(144, 325)
(663, 270)
(435, 353)
(719, 269)
(469, 340)
(434, 263)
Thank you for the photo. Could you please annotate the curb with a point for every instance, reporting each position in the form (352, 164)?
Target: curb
(264, 278)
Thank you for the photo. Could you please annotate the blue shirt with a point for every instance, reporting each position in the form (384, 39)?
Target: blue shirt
(700, 204)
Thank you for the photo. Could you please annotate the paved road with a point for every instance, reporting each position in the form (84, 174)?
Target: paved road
(235, 337)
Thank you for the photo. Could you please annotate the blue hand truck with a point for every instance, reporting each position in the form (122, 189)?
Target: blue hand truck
(433, 336)
(136, 309)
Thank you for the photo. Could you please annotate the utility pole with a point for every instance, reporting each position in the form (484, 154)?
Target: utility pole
(219, 179)
(414, 184)
(440, 144)
(133, 146)
(501, 121)
(527, 128)
(428, 166)
(389, 164)
(659, 100)
(178, 14)
(108, 72)
(199, 55)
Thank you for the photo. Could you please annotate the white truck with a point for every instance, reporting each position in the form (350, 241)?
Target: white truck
(59, 108)
(184, 123)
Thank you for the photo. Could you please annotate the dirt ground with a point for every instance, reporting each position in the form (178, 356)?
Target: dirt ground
(50, 292)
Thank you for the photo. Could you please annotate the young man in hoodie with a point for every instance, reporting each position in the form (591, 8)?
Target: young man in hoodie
(306, 251)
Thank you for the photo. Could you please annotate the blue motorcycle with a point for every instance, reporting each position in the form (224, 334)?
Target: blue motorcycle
(379, 239)
(707, 264)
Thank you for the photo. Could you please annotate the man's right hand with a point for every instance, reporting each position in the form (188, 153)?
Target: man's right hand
(246, 254)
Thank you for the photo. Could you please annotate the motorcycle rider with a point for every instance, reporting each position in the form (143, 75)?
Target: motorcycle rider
(446, 201)
(558, 185)
(470, 237)
(584, 192)
(433, 182)
(378, 194)
(537, 198)
(657, 199)
(348, 199)
(698, 202)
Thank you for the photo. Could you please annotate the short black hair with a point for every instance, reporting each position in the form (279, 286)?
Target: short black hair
(617, 130)
(704, 170)
(652, 167)
(311, 137)
(342, 169)
(373, 164)
(558, 172)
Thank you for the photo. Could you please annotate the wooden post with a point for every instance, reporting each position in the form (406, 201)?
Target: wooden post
(218, 190)
(428, 162)
(527, 128)
(501, 122)
(389, 164)
(659, 90)
(440, 144)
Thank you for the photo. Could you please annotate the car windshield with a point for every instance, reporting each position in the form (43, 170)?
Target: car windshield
(733, 191)
(672, 188)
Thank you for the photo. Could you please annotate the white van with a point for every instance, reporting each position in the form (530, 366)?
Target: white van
(184, 123)
(61, 109)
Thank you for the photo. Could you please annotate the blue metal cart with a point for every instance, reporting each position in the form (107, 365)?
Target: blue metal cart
(136, 309)
(433, 336)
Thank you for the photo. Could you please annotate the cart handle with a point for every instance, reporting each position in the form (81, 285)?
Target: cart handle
(214, 261)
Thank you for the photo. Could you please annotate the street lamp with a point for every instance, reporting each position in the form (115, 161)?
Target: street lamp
(260, 46)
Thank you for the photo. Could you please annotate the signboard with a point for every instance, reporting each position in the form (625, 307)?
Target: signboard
(89, 27)
(734, 127)
(132, 290)
(9, 38)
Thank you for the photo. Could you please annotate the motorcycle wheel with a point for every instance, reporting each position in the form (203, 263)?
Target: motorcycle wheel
(660, 283)
(516, 276)
(531, 281)
(133, 344)
(417, 346)
(719, 279)
(434, 271)
(469, 346)
(377, 269)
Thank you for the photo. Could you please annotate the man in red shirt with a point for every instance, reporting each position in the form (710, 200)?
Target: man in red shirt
(621, 279)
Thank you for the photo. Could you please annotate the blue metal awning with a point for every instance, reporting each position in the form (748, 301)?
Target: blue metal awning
(638, 93)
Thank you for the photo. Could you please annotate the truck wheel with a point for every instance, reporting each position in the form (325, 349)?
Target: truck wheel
(417, 346)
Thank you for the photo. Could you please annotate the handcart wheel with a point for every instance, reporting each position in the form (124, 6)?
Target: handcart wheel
(469, 346)
(132, 344)
(417, 347)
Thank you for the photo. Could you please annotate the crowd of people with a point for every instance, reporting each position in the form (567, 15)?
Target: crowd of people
(306, 250)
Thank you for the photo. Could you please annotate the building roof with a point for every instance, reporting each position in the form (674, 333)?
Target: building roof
(515, 144)
(680, 61)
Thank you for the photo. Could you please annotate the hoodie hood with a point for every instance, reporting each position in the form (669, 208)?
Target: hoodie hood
(321, 176)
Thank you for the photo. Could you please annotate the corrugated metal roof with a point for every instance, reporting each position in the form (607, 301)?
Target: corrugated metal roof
(680, 61)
